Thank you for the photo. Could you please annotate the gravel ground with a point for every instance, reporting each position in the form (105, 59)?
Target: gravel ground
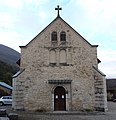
(110, 115)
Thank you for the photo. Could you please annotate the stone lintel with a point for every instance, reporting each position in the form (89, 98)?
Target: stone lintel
(59, 81)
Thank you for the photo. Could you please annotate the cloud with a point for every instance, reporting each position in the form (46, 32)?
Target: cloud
(62, 2)
(108, 64)
(6, 20)
(108, 69)
(36, 2)
(12, 39)
(42, 15)
(12, 3)
(97, 15)
(21, 20)
(107, 54)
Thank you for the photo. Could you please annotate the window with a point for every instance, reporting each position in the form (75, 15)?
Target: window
(52, 57)
(54, 36)
(62, 57)
(63, 36)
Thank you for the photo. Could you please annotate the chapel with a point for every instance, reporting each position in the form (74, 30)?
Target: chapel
(59, 72)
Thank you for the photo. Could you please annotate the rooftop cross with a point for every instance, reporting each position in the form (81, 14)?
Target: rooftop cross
(58, 8)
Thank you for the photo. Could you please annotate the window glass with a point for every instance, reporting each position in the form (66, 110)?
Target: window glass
(54, 36)
(62, 36)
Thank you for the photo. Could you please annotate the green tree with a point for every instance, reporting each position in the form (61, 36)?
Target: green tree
(7, 71)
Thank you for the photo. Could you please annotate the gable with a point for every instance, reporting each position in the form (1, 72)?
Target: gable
(55, 23)
(39, 47)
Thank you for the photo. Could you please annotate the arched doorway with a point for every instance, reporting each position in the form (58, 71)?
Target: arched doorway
(59, 99)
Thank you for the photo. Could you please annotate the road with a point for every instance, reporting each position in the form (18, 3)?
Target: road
(110, 115)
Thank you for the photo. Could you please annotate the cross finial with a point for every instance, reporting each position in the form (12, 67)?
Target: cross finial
(58, 8)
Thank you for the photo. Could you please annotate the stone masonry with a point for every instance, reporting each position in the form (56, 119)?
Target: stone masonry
(37, 79)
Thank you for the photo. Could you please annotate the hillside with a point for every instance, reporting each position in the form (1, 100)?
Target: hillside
(8, 55)
(8, 67)
(6, 72)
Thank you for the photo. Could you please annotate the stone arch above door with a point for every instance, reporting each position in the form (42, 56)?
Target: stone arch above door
(57, 86)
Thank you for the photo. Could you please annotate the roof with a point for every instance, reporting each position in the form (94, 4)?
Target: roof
(3, 84)
(111, 84)
(99, 71)
(58, 17)
(18, 73)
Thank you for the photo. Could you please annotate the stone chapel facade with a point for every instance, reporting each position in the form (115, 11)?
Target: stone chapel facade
(59, 72)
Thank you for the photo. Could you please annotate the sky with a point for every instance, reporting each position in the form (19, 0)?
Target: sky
(95, 20)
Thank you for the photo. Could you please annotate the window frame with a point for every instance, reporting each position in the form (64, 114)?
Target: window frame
(63, 36)
(54, 36)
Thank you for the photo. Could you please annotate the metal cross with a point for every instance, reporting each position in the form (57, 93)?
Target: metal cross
(58, 8)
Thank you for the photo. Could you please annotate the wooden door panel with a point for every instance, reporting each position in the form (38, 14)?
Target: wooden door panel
(59, 98)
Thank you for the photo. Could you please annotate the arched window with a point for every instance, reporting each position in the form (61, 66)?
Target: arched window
(54, 36)
(63, 36)
(62, 56)
(53, 57)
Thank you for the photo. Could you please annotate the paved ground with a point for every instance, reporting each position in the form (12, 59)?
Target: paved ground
(4, 118)
(110, 115)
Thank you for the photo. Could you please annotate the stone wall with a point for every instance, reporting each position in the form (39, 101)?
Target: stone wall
(100, 91)
(32, 91)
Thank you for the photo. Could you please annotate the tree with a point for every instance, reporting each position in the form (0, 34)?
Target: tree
(7, 71)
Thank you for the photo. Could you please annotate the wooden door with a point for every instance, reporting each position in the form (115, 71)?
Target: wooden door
(59, 99)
